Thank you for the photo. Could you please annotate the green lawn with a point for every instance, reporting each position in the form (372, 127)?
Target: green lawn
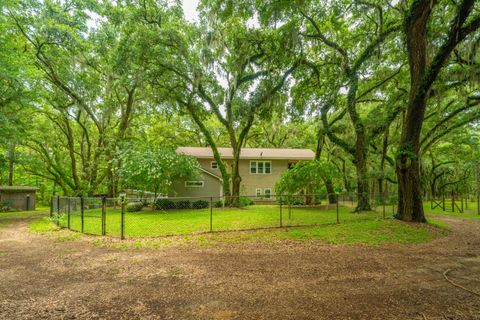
(469, 210)
(310, 223)
(6, 218)
(149, 223)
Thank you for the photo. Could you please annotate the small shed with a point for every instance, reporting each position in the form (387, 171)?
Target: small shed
(19, 197)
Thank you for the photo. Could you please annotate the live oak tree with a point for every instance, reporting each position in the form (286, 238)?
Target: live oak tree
(427, 56)
(90, 93)
(231, 71)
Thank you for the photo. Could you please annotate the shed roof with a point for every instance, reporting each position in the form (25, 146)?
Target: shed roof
(18, 188)
(250, 153)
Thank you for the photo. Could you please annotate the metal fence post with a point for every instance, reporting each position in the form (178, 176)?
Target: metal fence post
(453, 202)
(338, 217)
(122, 221)
(104, 215)
(82, 213)
(51, 207)
(211, 214)
(58, 210)
(383, 204)
(68, 212)
(289, 207)
(478, 202)
(281, 222)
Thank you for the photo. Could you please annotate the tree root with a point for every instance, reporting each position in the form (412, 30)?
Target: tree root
(457, 285)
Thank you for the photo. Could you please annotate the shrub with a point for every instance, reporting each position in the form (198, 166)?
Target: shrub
(164, 204)
(297, 201)
(5, 206)
(219, 203)
(134, 206)
(183, 204)
(244, 201)
(200, 204)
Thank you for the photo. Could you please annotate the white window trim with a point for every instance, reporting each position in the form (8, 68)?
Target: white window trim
(269, 196)
(194, 186)
(256, 166)
(211, 164)
(260, 193)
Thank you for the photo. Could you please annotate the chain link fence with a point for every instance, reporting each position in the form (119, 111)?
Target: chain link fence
(150, 217)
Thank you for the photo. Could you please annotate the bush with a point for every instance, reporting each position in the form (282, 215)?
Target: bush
(219, 203)
(183, 204)
(244, 201)
(5, 206)
(134, 206)
(200, 204)
(296, 201)
(164, 204)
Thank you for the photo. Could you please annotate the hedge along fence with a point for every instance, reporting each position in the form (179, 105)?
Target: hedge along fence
(135, 217)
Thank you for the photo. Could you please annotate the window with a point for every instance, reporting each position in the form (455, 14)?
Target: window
(267, 192)
(214, 165)
(263, 193)
(194, 184)
(260, 167)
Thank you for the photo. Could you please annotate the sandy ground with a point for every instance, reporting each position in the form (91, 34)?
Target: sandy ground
(42, 278)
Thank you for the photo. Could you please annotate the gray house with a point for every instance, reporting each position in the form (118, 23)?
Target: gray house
(260, 169)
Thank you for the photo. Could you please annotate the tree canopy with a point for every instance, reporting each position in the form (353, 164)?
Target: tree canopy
(95, 95)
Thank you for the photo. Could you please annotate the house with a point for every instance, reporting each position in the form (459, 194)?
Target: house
(260, 169)
(18, 197)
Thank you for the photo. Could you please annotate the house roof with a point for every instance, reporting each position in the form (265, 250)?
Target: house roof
(210, 173)
(249, 153)
(17, 188)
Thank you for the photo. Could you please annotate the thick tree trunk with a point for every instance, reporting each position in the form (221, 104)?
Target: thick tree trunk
(332, 197)
(236, 178)
(410, 202)
(363, 188)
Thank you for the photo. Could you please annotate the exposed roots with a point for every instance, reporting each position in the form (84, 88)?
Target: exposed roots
(457, 285)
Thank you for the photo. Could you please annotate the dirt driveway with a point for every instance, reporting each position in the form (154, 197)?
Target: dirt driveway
(41, 278)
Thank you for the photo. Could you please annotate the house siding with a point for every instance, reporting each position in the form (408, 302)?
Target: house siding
(250, 182)
(212, 187)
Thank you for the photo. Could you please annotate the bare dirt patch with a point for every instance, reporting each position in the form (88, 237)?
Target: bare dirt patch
(41, 278)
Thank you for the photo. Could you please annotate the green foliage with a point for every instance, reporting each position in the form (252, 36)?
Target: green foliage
(134, 206)
(245, 201)
(200, 204)
(183, 204)
(164, 204)
(5, 206)
(305, 176)
(154, 169)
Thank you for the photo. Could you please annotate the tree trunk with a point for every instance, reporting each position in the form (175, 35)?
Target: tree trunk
(236, 178)
(410, 202)
(332, 197)
(363, 188)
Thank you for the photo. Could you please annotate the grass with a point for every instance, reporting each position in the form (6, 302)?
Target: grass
(147, 229)
(182, 222)
(373, 232)
(471, 212)
(6, 218)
